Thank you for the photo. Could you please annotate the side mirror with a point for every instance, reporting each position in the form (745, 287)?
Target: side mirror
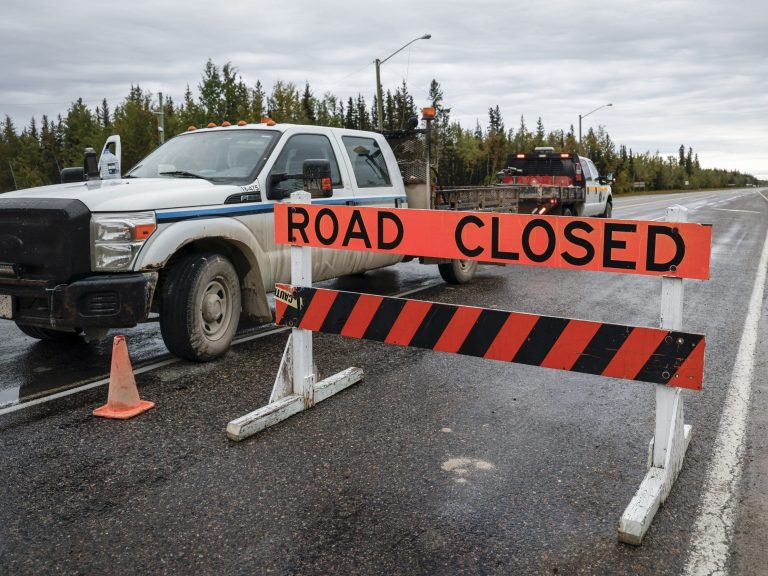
(607, 179)
(317, 177)
(91, 164)
(114, 160)
(69, 175)
(273, 190)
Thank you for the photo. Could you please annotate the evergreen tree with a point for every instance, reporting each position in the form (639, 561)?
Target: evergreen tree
(284, 103)
(258, 103)
(135, 121)
(308, 104)
(350, 119)
(81, 129)
(102, 114)
(538, 137)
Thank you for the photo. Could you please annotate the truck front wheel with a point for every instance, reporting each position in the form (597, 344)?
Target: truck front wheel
(200, 307)
(458, 271)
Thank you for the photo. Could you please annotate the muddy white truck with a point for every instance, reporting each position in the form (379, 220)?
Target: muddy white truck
(186, 237)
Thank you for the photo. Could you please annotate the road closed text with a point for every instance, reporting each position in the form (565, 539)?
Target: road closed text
(627, 246)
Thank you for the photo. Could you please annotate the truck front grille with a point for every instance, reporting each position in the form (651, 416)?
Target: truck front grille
(44, 239)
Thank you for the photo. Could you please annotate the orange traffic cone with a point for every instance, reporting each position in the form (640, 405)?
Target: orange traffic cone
(123, 400)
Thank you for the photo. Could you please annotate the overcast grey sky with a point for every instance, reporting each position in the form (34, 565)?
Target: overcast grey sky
(692, 72)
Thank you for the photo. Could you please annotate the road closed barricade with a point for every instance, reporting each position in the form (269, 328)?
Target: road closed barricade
(633, 353)
(665, 356)
(680, 250)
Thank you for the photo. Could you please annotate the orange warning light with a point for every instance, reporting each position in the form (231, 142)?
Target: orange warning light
(428, 113)
(226, 123)
(191, 128)
(211, 125)
(144, 231)
(242, 123)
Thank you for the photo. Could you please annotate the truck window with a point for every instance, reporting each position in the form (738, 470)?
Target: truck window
(367, 161)
(304, 147)
(221, 156)
(587, 169)
(548, 166)
(593, 169)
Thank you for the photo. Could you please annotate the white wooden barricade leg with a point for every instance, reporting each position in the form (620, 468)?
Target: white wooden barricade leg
(295, 389)
(670, 442)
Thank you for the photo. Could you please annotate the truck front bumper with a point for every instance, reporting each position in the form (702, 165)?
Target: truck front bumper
(103, 301)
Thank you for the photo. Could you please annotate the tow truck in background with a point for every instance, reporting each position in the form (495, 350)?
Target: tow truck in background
(540, 182)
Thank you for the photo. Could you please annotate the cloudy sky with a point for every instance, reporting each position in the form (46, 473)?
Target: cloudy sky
(692, 72)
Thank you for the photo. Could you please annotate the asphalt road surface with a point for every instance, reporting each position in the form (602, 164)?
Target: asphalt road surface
(434, 464)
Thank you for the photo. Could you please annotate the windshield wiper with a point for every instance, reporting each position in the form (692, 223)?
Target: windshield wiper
(182, 174)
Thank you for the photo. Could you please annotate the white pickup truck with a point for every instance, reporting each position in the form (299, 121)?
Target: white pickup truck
(186, 236)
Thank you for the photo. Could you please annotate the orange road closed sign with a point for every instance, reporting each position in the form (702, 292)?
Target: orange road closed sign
(627, 246)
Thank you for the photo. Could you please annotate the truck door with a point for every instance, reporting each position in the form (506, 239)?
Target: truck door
(283, 177)
(285, 174)
(592, 202)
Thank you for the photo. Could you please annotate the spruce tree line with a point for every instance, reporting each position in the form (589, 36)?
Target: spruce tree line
(464, 156)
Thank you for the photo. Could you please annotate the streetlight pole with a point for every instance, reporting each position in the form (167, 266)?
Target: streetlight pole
(379, 105)
(587, 114)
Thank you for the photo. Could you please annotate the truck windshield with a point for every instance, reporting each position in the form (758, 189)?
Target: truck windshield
(221, 156)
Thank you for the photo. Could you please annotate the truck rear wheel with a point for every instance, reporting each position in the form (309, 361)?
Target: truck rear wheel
(200, 307)
(49, 334)
(458, 271)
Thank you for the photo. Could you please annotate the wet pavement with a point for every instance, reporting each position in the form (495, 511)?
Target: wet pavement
(434, 464)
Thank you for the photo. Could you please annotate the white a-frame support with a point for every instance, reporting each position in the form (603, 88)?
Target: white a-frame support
(295, 389)
(672, 435)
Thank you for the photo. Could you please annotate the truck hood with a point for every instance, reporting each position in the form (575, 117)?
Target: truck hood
(135, 194)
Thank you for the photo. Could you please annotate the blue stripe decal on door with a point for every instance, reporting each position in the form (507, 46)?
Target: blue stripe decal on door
(247, 209)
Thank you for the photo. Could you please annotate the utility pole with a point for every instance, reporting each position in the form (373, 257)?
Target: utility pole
(582, 116)
(13, 175)
(161, 119)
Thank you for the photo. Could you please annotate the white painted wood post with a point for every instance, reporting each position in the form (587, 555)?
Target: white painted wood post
(301, 275)
(294, 390)
(671, 435)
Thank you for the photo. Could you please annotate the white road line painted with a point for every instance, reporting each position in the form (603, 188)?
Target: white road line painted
(675, 197)
(734, 210)
(713, 530)
(83, 388)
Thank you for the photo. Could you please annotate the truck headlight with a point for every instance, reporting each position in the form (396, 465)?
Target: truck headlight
(117, 238)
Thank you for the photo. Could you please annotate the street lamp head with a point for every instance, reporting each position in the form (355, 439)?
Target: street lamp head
(378, 63)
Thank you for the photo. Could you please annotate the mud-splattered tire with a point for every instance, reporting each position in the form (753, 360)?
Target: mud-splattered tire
(49, 334)
(458, 271)
(200, 307)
